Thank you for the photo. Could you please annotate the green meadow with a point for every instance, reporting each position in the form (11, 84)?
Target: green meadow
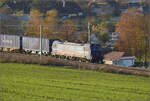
(22, 82)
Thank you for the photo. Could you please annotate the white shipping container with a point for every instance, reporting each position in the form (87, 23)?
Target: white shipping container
(33, 44)
(10, 41)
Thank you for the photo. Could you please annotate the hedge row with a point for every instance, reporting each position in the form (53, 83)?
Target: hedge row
(48, 60)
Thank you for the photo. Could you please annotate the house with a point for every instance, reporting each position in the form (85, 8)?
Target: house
(119, 58)
(139, 6)
(94, 39)
(69, 9)
(136, 1)
(5, 6)
(113, 39)
(97, 8)
(104, 8)
(22, 17)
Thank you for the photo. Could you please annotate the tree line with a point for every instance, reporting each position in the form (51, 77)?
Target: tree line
(52, 27)
(43, 6)
(133, 30)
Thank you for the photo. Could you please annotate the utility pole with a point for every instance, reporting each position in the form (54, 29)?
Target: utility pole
(1, 53)
(21, 41)
(89, 33)
(145, 58)
(40, 42)
(0, 23)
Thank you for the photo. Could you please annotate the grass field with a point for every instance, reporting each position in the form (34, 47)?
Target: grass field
(19, 82)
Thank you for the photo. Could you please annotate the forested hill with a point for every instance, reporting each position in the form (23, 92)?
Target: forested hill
(27, 5)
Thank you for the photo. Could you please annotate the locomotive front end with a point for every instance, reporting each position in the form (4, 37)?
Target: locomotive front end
(96, 53)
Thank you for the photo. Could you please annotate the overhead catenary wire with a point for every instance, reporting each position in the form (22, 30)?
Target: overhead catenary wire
(45, 25)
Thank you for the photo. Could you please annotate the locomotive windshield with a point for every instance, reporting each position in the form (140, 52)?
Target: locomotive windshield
(96, 47)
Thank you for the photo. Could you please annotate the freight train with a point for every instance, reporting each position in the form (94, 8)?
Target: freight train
(54, 47)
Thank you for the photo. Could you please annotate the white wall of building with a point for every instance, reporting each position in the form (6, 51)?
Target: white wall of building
(126, 62)
(108, 62)
(121, 62)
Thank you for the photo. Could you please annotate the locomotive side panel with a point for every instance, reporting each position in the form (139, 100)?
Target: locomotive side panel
(10, 41)
(71, 50)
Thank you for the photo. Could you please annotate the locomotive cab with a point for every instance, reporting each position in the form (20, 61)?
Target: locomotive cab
(51, 43)
(96, 53)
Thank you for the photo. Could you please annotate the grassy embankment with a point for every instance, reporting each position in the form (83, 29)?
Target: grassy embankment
(19, 82)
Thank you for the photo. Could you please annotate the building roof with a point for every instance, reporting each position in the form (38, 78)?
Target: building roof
(112, 56)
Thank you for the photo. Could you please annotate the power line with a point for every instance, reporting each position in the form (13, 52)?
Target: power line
(45, 25)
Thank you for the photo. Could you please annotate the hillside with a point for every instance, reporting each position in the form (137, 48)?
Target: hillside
(46, 83)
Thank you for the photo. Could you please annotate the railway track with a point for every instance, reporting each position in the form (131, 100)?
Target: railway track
(49, 60)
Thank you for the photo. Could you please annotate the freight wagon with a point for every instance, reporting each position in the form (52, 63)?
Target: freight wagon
(30, 44)
(75, 51)
(33, 44)
(10, 42)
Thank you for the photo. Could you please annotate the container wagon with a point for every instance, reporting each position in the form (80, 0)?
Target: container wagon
(32, 44)
(10, 42)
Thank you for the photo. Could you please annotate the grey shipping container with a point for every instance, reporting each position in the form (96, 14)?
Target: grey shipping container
(33, 44)
(10, 41)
